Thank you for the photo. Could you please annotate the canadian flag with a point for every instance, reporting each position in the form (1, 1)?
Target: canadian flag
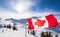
(48, 21)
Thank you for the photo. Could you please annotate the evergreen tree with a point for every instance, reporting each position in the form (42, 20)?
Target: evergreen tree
(49, 35)
(9, 26)
(33, 32)
(4, 26)
(46, 35)
(42, 34)
(28, 31)
(56, 35)
(14, 27)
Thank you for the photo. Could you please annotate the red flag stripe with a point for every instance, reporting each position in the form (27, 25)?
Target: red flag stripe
(30, 24)
(52, 21)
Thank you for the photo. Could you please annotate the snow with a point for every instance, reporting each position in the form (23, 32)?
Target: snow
(22, 31)
(12, 33)
(4, 22)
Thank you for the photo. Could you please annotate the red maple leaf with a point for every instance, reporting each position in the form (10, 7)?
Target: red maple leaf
(39, 22)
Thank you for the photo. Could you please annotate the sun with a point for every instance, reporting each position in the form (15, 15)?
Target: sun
(21, 6)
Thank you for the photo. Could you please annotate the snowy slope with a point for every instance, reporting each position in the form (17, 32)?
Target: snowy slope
(38, 32)
(11, 33)
(22, 33)
(21, 30)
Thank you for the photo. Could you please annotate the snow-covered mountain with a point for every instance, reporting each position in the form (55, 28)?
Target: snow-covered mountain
(22, 22)
(6, 32)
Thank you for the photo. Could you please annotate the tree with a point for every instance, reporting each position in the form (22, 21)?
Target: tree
(4, 26)
(9, 26)
(14, 27)
(46, 34)
(56, 35)
(42, 34)
(33, 32)
(49, 34)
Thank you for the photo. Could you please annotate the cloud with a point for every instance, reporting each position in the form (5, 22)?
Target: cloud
(21, 8)
(13, 15)
(58, 18)
(21, 5)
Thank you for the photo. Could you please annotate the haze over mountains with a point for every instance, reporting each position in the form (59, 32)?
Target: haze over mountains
(24, 23)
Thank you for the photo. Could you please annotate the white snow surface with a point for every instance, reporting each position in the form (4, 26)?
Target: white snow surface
(12, 33)
(20, 33)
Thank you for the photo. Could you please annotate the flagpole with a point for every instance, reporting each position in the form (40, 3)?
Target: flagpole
(25, 31)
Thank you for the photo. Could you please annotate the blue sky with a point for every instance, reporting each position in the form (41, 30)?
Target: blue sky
(49, 4)
(4, 4)
(38, 6)
(53, 5)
